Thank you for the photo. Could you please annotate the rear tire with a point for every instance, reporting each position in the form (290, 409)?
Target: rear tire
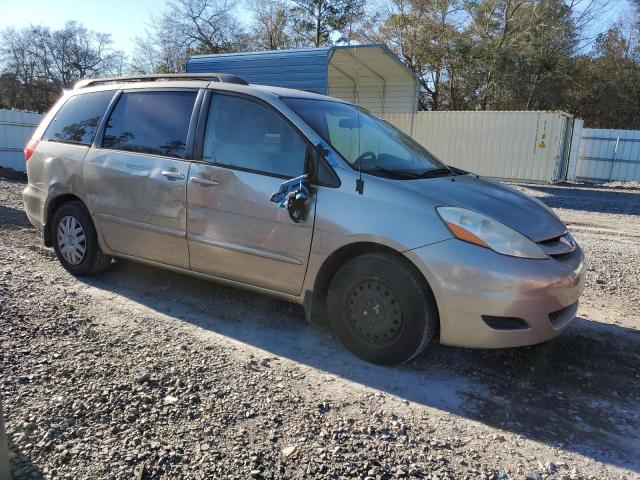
(75, 241)
(382, 309)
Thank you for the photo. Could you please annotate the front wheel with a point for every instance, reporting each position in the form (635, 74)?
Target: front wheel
(381, 309)
(75, 241)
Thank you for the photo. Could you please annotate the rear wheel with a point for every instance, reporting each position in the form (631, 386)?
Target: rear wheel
(75, 241)
(381, 309)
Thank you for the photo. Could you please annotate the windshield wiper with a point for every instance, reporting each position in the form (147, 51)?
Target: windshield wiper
(437, 172)
(396, 173)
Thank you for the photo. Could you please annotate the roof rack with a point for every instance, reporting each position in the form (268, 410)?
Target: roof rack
(211, 77)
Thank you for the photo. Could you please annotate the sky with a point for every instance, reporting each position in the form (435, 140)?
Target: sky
(123, 19)
(126, 19)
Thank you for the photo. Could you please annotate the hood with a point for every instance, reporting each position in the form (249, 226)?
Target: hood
(500, 202)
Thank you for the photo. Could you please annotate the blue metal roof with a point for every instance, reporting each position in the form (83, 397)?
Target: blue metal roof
(304, 69)
(301, 68)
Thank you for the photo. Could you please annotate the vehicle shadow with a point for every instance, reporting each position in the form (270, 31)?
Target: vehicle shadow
(578, 391)
(13, 218)
(21, 467)
(590, 198)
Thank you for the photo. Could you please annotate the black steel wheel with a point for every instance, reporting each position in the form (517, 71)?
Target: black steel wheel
(382, 309)
(375, 312)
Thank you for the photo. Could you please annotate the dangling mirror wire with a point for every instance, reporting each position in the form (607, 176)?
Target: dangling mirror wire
(360, 182)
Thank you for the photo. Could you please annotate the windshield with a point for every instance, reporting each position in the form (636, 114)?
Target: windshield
(367, 142)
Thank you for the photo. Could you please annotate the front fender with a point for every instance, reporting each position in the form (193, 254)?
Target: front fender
(386, 214)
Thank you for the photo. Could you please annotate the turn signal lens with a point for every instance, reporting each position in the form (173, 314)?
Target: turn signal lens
(465, 235)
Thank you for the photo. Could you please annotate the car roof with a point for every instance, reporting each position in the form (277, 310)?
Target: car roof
(294, 93)
(154, 82)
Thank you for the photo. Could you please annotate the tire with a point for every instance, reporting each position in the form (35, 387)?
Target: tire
(72, 225)
(381, 309)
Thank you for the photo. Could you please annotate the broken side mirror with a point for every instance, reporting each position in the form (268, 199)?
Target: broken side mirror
(293, 195)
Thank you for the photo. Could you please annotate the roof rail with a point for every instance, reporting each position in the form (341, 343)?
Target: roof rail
(212, 77)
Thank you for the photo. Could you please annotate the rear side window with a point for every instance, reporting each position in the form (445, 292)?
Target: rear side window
(150, 122)
(78, 119)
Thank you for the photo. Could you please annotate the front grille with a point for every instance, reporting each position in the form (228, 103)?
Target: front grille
(558, 247)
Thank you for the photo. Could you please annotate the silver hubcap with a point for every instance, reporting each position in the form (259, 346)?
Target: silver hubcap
(71, 240)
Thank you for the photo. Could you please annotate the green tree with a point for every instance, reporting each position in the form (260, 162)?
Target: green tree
(527, 55)
(428, 36)
(316, 20)
(606, 89)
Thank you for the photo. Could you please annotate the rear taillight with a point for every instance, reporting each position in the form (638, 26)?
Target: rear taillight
(30, 148)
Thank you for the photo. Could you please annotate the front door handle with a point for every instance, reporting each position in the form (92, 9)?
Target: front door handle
(172, 174)
(204, 182)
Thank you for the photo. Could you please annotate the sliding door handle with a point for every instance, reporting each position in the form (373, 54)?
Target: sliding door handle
(204, 182)
(172, 174)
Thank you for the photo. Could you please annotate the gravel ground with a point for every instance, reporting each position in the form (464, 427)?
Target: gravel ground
(142, 373)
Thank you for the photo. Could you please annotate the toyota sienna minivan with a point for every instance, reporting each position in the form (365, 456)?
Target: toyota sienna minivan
(304, 197)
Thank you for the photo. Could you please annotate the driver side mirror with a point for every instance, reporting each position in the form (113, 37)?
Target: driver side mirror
(293, 195)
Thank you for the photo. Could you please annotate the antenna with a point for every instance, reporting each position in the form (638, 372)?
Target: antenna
(359, 181)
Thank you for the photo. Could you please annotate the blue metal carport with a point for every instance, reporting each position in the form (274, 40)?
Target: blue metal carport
(370, 75)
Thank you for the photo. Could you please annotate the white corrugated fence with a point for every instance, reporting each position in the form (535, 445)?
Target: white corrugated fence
(605, 155)
(16, 127)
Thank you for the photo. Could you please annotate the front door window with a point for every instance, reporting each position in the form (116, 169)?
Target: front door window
(246, 135)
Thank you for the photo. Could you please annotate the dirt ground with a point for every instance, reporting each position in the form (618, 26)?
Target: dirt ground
(143, 373)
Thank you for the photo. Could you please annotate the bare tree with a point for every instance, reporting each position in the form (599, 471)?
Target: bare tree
(24, 75)
(272, 29)
(204, 26)
(157, 52)
(185, 28)
(75, 52)
(37, 62)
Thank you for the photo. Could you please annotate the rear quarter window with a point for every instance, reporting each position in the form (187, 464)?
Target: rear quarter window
(155, 122)
(78, 119)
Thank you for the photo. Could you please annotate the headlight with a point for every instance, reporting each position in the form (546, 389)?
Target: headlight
(475, 228)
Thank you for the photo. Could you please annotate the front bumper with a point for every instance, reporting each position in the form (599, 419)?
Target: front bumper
(470, 281)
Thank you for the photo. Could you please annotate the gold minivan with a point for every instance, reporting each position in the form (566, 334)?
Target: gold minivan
(304, 197)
